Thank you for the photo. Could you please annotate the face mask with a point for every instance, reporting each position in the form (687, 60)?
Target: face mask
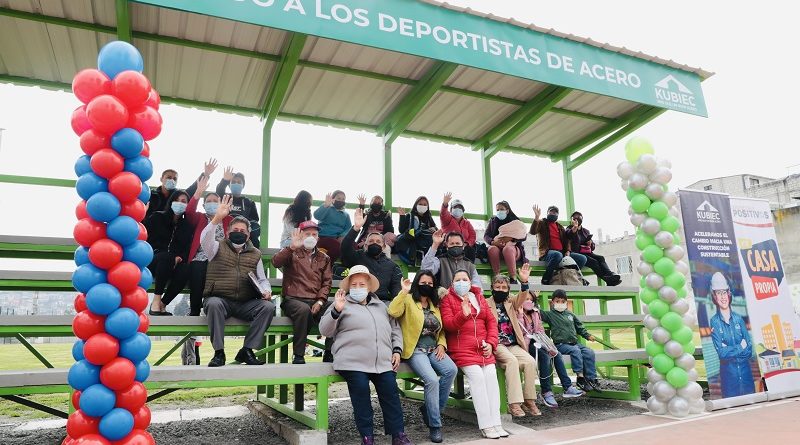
(359, 294)
(238, 239)
(500, 295)
(170, 184)
(374, 250)
(309, 242)
(552, 218)
(455, 251)
(462, 287)
(236, 188)
(560, 307)
(528, 306)
(501, 214)
(338, 205)
(178, 207)
(376, 207)
(457, 213)
(422, 209)
(426, 291)
(211, 208)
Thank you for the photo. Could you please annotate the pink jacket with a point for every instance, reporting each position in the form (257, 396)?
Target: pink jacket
(451, 224)
(199, 221)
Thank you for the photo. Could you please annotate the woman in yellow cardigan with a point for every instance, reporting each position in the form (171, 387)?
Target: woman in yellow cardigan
(416, 308)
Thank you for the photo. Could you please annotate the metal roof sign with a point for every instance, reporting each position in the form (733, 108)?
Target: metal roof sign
(426, 30)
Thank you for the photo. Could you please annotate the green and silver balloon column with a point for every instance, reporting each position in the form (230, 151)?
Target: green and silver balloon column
(672, 379)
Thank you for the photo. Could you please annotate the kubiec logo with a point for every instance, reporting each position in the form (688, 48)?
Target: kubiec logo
(670, 91)
(708, 213)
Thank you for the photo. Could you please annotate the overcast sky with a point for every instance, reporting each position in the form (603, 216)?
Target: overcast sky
(751, 128)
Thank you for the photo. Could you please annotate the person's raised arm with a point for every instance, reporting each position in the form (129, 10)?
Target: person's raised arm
(404, 221)
(227, 175)
(397, 279)
(453, 317)
(191, 210)
(284, 256)
(329, 322)
(397, 307)
(444, 215)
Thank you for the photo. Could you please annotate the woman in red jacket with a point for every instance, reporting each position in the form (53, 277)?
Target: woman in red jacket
(198, 259)
(471, 340)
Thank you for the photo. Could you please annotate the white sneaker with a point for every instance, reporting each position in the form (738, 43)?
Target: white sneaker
(501, 432)
(490, 433)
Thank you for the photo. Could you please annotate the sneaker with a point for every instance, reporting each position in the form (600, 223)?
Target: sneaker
(513, 281)
(401, 439)
(595, 385)
(367, 440)
(572, 392)
(490, 433)
(436, 435)
(550, 399)
(298, 360)
(501, 432)
(584, 384)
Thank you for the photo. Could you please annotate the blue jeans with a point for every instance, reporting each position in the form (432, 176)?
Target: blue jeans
(579, 258)
(581, 357)
(386, 387)
(545, 370)
(438, 376)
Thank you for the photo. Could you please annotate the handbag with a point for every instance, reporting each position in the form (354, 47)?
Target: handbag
(586, 249)
(544, 342)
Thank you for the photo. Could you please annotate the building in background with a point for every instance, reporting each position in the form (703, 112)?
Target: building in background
(781, 193)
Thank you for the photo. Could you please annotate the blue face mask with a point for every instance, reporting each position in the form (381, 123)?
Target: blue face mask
(462, 287)
(178, 207)
(359, 294)
(236, 188)
(501, 215)
(457, 213)
(170, 184)
(211, 208)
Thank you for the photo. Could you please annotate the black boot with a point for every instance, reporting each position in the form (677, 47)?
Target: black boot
(218, 360)
(246, 357)
(612, 280)
(584, 384)
(298, 360)
(327, 357)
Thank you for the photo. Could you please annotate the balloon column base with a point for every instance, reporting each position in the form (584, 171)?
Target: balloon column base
(670, 416)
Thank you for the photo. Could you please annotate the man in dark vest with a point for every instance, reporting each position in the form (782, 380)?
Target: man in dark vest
(446, 266)
(229, 291)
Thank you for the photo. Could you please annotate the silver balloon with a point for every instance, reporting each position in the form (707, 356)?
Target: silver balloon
(675, 212)
(691, 391)
(675, 253)
(667, 294)
(685, 362)
(624, 185)
(638, 181)
(624, 170)
(661, 335)
(638, 218)
(673, 349)
(650, 388)
(650, 322)
(670, 199)
(661, 175)
(647, 164)
(654, 376)
(664, 239)
(680, 307)
(697, 406)
(690, 320)
(651, 226)
(654, 191)
(663, 391)
(666, 163)
(645, 309)
(682, 267)
(654, 280)
(678, 407)
(656, 407)
(692, 373)
(644, 268)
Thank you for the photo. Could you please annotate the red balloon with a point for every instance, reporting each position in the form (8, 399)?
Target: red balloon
(144, 323)
(125, 276)
(118, 374)
(136, 437)
(105, 253)
(107, 163)
(87, 231)
(107, 114)
(146, 121)
(76, 397)
(80, 120)
(80, 424)
(68, 441)
(135, 209)
(145, 150)
(126, 186)
(132, 88)
(86, 324)
(100, 349)
(132, 397)
(154, 99)
(80, 303)
(80, 210)
(92, 140)
(91, 439)
(136, 300)
(90, 83)
(141, 418)
(142, 233)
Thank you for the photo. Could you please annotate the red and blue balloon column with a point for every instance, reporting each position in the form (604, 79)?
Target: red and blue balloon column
(119, 114)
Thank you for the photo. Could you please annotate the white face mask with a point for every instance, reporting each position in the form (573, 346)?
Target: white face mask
(457, 213)
(422, 209)
(462, 287)
(560, 307)
(359, 294)
(310, 242)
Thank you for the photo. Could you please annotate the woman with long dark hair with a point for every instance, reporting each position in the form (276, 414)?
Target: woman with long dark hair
(504, 236)
(416, 230)
(298, 211)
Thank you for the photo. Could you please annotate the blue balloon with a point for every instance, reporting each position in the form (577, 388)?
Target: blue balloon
(134, 348)
(145, 195)
(97, 400)
(103, 299)
(122, 324)
(117, 424)
(89, 183)
(82, 166)
(147, 279)
(81, 256)
(127, 142)
(83, 374)
(118, 56)
(139, 253)
(142, 371)
(123, 229)
(77, 350)
(103, 206)
(140, 166)
(87, 276)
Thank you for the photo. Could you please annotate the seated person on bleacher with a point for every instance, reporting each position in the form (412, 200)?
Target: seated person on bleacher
(334, 223)
(452, 220)
(504, 236)
(564, 329)
(241, 205)
(581, 239)
(159, 196)
(553, 242)
(416, 230)
(445, 267)
(307, 279)
(378, 220)
(297, 212)
(229, 290)
(372, 255)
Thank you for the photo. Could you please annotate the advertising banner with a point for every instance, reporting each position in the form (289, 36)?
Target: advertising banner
(728, 349)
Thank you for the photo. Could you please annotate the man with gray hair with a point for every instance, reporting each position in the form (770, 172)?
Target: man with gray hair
(229, 290)
(388, 273)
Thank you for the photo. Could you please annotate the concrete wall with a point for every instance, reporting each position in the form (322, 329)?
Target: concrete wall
(736, 185)
(780, 193)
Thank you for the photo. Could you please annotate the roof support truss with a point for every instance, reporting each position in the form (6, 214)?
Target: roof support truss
(585, 141)
(123, 21)
(282, 78)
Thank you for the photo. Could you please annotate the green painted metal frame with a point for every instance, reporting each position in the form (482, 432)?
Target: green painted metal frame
(24, 341)
(569, 188)
(123, 21)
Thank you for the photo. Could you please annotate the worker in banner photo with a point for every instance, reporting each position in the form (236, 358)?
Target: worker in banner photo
(731, 341)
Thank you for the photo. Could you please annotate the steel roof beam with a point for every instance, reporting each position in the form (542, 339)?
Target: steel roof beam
(585, 141)
(123, 21)
(283, 77)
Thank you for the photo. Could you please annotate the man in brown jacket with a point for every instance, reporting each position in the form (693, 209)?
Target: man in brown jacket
(307, 278)
(552, 240)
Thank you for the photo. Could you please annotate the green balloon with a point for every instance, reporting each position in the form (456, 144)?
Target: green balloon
(642, 282)
(677, 239)
(664, 267)
(663, 363)
(640, 203)
(653, 348)
(631, 193)
(658, 210)
(683, 334)
(636, 147)
(682, 292)
(658, 308)
(688, 347)
(647, 295)
(652, 254)
(675, 280)
(670, 224)
(643, 240)
(677, 377)
(671, 321)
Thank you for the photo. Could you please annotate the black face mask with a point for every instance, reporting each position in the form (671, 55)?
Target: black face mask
(426, 291)
(376, 207)
(500, 296)
(455, 251)
(552, 218)
(237, 237)
(338, 205)
(374, 250)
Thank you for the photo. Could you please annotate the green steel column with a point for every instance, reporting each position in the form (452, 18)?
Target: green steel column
(266, 148)
(569, 191)
(387, 176)
(486, 166)
(123, 21)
